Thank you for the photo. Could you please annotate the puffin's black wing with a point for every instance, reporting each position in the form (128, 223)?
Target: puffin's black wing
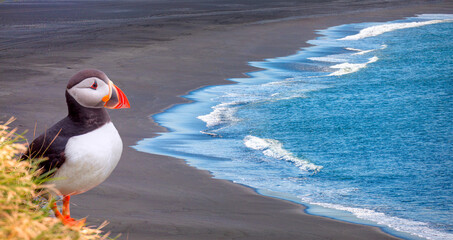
(50, 145)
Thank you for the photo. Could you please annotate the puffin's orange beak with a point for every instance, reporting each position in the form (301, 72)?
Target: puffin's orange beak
(116, 98)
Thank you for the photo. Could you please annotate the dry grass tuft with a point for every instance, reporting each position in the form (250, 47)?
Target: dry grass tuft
(21, 217)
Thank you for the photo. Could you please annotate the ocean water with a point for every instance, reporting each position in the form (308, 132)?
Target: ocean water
(357, 127)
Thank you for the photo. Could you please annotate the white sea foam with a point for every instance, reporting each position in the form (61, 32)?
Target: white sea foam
(330, 58)
(359, 51)
(354, 49)
(380, 29)
(222, 114)
(435, 16)
(274, 149)
(347, 68)
(285, 83)
(415, 228)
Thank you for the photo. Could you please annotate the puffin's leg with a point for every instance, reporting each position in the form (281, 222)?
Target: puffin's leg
(66, 217)
(56, 211)
(66, 211)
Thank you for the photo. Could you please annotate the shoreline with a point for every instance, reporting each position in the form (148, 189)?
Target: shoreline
(169, 199)
(187, 130)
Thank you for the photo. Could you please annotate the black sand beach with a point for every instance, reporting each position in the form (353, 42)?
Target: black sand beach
(156, 51)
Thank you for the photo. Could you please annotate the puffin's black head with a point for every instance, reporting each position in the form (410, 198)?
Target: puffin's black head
(91, 88)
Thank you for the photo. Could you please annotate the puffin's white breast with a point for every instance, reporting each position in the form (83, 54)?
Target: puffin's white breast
(90, 158)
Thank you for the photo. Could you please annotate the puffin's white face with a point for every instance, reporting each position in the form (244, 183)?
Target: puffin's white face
(91, 92)
(91, 88)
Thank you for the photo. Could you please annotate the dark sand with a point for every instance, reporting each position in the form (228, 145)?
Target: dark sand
(156, 51)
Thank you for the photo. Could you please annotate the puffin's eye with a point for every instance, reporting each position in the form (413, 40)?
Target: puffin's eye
(94, 86)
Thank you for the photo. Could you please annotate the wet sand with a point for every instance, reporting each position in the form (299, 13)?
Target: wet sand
(155, 52)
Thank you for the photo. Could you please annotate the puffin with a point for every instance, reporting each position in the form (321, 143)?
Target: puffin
(81, 150)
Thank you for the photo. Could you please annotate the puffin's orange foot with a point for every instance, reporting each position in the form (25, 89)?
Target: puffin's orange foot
(71, 222)
(66, 216)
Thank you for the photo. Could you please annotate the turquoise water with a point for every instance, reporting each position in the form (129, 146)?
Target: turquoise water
(358, 127)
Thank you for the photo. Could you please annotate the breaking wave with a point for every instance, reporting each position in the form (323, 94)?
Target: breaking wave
(380, 29)
(416, 228)
(274, 149)
(347, 68)
(222, 114)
